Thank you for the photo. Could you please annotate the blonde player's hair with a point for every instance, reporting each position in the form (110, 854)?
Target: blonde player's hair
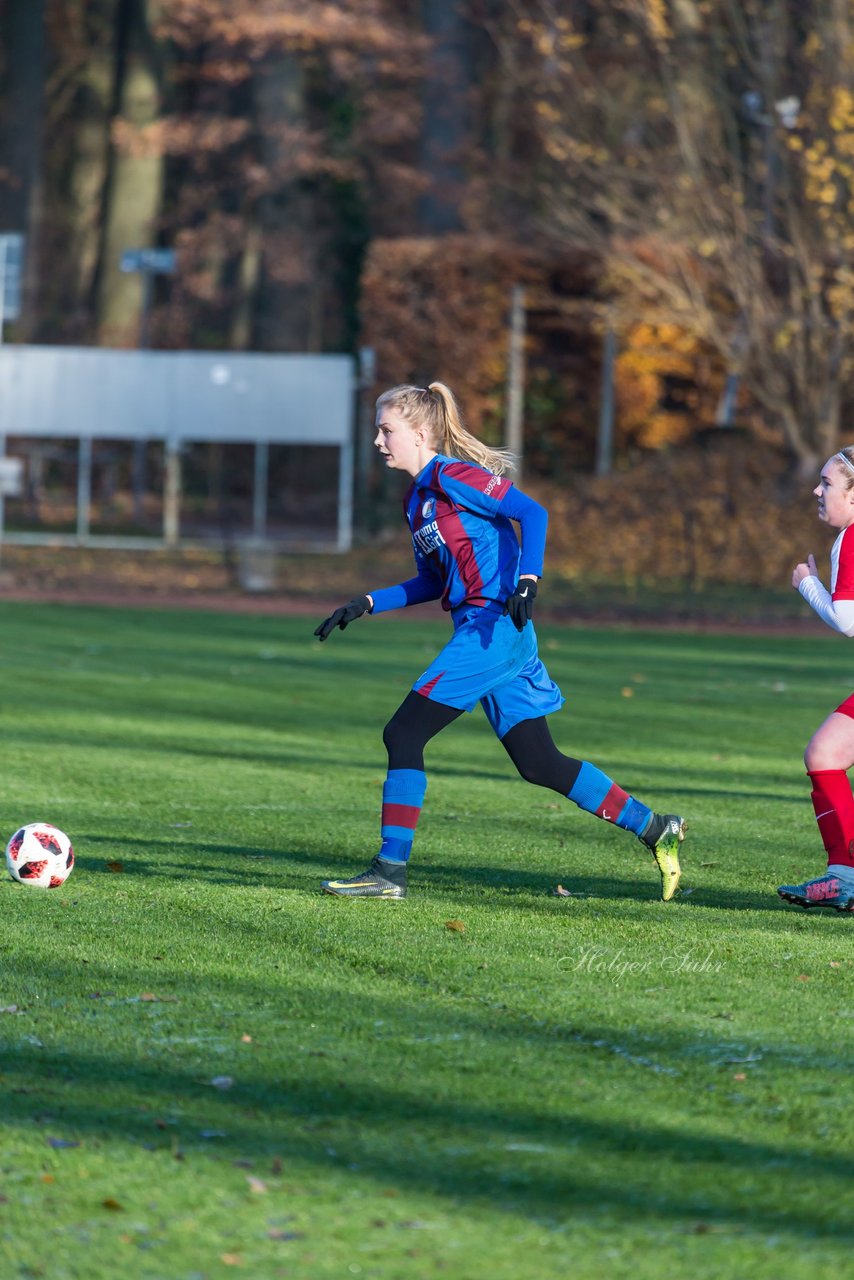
(846, 458)
(435, 408)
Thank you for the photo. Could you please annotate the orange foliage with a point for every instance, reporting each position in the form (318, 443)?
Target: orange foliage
(436, 308)
(652, 357)
(696, 515)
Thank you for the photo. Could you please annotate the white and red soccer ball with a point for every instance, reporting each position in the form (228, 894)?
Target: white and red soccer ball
(40, 855)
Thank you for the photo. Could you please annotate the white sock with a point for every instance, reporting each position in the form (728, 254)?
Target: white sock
(843, 872)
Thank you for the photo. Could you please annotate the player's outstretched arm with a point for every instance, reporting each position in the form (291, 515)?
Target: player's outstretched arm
(343, 616)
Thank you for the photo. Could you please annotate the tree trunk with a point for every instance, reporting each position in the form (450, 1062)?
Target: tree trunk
(445, 129)
(287, 216)
(79, 104)
(21, 93)
(248, 277)
(135, 182)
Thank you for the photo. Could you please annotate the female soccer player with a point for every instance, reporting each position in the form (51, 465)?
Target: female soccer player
(459, 507)
(830, 751)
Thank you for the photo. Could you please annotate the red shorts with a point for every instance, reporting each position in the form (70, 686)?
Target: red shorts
(846, 708)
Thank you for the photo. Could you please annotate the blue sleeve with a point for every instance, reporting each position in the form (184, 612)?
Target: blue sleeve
(533, 520)
(426, 586)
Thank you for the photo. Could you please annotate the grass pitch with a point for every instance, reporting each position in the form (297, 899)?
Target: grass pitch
(210, 1069)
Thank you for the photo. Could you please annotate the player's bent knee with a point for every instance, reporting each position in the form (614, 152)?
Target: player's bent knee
(396, 734)
(824, 758)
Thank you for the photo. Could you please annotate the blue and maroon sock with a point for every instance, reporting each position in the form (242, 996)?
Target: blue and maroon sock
(403, 796)
(594, 791)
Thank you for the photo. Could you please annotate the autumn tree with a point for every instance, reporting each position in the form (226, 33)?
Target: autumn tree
(268, 151)
(705, 152)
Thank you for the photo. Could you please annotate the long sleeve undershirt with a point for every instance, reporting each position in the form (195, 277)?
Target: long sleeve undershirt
(838, 614)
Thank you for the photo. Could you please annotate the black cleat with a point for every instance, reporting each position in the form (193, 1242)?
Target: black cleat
(381, 880)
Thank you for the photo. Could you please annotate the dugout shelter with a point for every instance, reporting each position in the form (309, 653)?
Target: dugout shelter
(177, 398)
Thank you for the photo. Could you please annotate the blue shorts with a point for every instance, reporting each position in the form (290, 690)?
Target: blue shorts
(488, 661)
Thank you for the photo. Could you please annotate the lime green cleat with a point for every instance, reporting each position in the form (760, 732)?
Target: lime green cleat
(665, 850)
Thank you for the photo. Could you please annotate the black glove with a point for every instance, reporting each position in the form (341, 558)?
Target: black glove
(520, 605)
(343, 617)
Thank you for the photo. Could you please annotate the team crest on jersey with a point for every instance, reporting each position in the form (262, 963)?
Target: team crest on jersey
(428, 508)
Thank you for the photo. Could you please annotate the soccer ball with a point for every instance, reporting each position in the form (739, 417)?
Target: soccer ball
(40, 855)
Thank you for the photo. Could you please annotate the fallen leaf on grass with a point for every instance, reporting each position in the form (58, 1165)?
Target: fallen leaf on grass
(116, 867)
(455, 926)
(803, 977)
(628, 692)
(834, 964)
(739, 1075)
(257, 1186)
(112, 1204)
(231, 1259)
(245, 1039)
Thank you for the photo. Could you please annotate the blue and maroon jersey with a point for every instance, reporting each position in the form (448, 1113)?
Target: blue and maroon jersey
(466, 549)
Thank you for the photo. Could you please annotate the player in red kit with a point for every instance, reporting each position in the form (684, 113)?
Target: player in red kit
(459, 509)
(830, 751)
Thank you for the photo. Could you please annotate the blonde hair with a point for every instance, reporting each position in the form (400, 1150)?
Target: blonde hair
(435, 408)
(846, 459)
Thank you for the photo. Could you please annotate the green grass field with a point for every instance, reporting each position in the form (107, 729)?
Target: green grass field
(211, 1069)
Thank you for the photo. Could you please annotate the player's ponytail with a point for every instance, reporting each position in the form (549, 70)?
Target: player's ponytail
(435, 407)
(458, 442)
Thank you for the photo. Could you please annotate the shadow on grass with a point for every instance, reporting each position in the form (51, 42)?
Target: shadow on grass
(466, 1149)
(209, 861)
(302, 870)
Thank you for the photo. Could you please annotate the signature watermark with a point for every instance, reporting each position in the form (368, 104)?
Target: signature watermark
(604, 962)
